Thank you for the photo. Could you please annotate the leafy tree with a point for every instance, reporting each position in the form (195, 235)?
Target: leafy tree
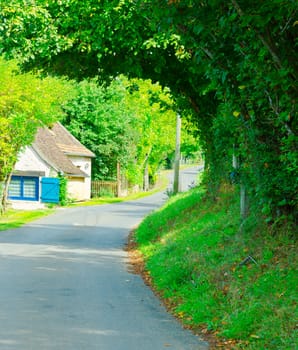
(99, 119)
(154, 121)
(123, 123)
(26, 103)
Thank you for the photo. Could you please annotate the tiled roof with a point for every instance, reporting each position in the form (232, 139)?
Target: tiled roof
(68, 143)
(54, 144)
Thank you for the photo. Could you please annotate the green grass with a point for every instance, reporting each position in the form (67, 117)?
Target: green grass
(16, 218)
(193, 249)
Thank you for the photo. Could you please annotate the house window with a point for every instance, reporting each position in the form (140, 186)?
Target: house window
(23, 188)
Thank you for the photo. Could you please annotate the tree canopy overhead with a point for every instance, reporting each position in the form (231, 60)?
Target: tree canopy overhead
(233, 62)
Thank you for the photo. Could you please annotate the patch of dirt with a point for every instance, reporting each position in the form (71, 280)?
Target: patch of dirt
(137, 266)
(136, 261)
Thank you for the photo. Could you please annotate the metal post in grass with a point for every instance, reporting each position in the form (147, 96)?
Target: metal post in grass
(243, 202)
(177, 155)
(243, 194)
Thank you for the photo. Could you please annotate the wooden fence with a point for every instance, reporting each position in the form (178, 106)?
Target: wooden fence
(104, 189)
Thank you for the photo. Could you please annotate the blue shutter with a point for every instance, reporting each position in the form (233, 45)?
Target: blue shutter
(50, 190)
(23, 188)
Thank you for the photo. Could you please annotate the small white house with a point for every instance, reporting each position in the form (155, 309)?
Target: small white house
(54, 151)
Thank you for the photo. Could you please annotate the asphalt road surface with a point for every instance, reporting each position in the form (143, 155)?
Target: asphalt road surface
(65, 285)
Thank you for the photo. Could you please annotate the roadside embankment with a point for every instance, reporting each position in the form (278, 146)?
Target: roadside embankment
(236, 286)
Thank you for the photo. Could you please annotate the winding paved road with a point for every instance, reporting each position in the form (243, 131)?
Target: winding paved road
(65, 285)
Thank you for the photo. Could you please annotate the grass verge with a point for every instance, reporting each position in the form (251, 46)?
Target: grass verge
(240, 285)
(16, 218)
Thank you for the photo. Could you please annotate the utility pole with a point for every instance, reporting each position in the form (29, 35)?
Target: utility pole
(177, 155)
(118, 179)
(146, 175)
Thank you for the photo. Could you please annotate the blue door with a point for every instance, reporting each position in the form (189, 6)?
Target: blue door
(50, 190)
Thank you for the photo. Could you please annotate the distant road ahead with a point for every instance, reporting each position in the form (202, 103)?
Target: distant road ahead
(187, 178)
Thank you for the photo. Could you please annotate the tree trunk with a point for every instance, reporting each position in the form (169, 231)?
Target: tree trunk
(1, 196)
(4, 192)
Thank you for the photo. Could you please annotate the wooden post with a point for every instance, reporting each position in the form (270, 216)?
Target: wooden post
(177, 155)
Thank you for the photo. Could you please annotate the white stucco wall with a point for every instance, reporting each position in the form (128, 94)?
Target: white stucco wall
(83, 163)
(81, 189)
(26, 205)
(29, 160)
(77, 189)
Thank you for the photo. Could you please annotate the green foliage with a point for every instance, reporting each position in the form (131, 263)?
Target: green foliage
(130, 122)
(234, 64)
(107, 193)
(98, 118)
(200, 262)
(153, 121)
(39, 33)
(63, 197)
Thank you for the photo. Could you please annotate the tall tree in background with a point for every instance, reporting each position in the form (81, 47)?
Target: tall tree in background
(98, 118)
(154, 122)
(123, 123)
